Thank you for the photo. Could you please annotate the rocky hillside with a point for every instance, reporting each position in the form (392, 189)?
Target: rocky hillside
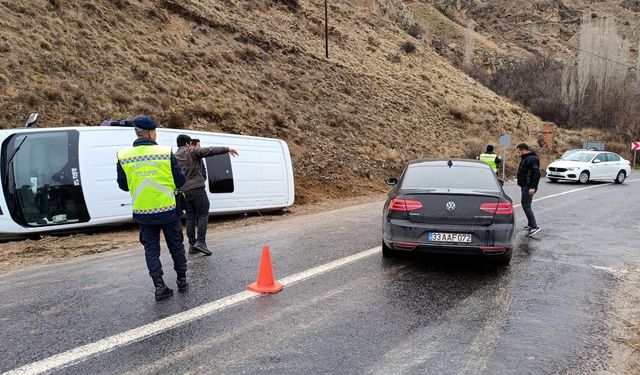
(540, 26)
(257, 67)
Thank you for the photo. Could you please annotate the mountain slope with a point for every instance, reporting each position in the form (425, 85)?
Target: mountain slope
(254, 67)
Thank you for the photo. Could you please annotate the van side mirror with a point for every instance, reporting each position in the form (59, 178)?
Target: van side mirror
(596, 161)
(31, 120)
(391, 181)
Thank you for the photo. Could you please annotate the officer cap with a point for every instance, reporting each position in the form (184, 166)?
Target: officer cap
(489, 148)
(144, 122)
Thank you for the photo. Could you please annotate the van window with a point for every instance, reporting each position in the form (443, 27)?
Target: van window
(41, 178)
(220, 174)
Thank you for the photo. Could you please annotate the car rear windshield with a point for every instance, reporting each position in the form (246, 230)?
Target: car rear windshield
(580, 156)
(443, 177)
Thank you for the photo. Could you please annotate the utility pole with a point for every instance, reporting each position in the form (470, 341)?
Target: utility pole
(326, 29)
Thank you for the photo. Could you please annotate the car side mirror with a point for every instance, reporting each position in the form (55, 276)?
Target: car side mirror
(391, 181)
(31, 120)
(596, 161)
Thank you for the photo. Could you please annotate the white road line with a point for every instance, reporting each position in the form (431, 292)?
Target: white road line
(609, 269)
(329, 266)
(571, 191)
(108, 344)
(588, 266)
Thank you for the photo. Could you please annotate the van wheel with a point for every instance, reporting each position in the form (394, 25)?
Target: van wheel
(622, 175)
(584, 177)
(388, 252)
(503, 259)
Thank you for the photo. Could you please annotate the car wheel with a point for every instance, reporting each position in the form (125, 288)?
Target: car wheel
(584, 177)
(554, 180)
(503, 259)
(622, 175)
(388, 252)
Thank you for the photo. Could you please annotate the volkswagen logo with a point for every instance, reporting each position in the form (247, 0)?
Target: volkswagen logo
(451, 206)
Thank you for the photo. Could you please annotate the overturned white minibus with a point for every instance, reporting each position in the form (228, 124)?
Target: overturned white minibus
(61, 179)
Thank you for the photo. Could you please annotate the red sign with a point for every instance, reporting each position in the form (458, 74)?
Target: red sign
(635, 146)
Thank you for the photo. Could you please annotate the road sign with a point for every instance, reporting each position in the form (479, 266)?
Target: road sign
(505, 140)
(635, 145)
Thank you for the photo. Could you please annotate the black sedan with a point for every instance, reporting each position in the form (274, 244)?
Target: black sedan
(448, 206)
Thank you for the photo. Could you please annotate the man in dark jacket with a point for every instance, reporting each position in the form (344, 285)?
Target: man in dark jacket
(195, 143)
(528, 179)
(196, 199)
(151, 173)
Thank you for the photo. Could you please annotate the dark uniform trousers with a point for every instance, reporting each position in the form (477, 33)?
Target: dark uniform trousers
(150, 239)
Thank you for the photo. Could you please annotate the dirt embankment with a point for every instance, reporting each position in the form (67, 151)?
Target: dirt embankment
(257, 67)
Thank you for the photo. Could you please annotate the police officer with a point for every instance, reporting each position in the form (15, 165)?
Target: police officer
(489, 157)
(151, 174)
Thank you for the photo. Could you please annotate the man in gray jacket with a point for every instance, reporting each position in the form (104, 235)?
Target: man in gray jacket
(196, 199)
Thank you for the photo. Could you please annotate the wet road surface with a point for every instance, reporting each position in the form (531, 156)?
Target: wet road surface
(549, 312)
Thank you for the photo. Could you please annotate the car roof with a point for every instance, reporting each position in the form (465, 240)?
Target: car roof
(444, 162)
(589, 152)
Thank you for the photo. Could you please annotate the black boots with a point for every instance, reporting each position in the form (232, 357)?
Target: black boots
(183, 285)
(162, 291)
(202, 247)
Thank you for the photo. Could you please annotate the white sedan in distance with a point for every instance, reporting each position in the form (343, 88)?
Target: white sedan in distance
(585, 166)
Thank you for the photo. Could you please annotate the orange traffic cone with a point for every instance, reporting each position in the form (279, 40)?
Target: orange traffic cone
(265, 283)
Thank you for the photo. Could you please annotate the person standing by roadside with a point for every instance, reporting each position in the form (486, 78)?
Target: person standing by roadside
(151, 174)
(195, 143)
(196, 199)
(528, 179)
(489, 157)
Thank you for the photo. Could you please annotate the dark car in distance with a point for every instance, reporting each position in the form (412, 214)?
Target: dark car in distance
(445, 206)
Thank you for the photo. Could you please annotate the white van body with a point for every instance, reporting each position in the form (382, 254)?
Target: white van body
(63, 179)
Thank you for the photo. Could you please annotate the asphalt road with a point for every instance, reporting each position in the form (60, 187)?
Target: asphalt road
(549, 312)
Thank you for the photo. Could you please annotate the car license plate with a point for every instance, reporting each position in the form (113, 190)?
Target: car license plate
(555, 174)
(449, 237)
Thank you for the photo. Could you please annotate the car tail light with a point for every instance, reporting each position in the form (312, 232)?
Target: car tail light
(493, 249)
(399, 204)
(503, 208)
(404, 245)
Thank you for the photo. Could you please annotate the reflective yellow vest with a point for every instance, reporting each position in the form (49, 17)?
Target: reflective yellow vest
(489, 159)
(149, 177)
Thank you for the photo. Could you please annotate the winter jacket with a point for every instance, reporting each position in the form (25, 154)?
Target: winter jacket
(190, 160)
(529, 171)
